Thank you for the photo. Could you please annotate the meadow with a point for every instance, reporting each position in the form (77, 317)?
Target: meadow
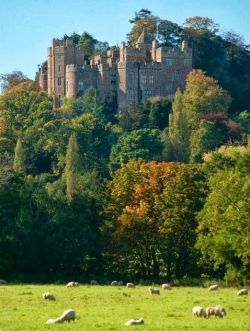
(108, 308)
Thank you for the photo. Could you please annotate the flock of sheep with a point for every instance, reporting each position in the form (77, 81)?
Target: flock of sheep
(198, 311)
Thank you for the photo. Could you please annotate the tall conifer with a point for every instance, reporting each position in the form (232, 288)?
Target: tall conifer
(72, 167)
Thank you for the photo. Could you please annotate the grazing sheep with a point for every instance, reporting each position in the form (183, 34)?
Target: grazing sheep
(243, 291)
(210, 311)
(114, 283)
(120, 283)
(94, 282)
(49, 296)
(199, 311)
(68, 315)
(135, 322)
(219, 311)
(72, 284)
(2, 282)
(166, 286)
(154, 291)
(130, 285)
(213, 288)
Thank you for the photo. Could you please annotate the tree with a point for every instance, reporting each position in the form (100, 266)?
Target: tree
(12, 79)
(87, 42)
(203, 95)
(72, 167)
(157, 109)
(201, 24)
(143, 21)
(224, 229)
(139, 144)
(150, 219)
(19, 158)
(179, 133)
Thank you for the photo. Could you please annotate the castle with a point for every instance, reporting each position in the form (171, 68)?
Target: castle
(127, 75)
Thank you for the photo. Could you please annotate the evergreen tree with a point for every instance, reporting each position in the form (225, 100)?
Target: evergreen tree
(178, 130)
(72, 167)
(19, 158)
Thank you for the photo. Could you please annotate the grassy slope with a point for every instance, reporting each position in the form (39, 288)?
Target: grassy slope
(108, 308)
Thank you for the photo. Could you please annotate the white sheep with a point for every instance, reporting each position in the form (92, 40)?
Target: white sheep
(213, 288)
(94, 282)
(153, 291)
(135, 322)
(166, 286)
(114, 283)
(219, 311)
(243, 291)
(48, 296)
(72, 284)
(68, 315)
(130, 285)
(199, 311)
(2, 282)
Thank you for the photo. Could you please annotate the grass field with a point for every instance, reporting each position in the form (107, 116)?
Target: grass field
(108, 308)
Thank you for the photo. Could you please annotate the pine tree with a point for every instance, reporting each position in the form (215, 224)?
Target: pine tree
(19, 159)
(72, 167)
(179, 132)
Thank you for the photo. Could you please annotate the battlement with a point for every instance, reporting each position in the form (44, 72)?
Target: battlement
(127, 74)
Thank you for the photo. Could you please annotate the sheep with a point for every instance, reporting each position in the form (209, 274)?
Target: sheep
(48, 296)
(213, 288)
(199, 311)
(166, 286)
(68, 315)
(243, 291)
(130, 285)
(94, 282)
(210, 311)
(135, 322)
(114, 283)
(2, 282)
(154, 291)
(72, 284)
(219, 311)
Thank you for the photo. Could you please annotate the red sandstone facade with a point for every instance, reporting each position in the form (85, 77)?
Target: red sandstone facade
(129, 75)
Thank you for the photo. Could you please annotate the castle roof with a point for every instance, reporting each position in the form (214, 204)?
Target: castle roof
(143, 38)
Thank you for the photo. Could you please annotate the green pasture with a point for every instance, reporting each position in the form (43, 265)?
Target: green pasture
(108, 308)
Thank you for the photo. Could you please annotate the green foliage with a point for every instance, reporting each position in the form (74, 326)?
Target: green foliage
(150, 219)
(72, 167)
(19, 158)
(179, 132)
(12, 79)
(139, 144)
(224, 230)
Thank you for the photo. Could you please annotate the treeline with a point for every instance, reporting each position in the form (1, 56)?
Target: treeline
(158, 192)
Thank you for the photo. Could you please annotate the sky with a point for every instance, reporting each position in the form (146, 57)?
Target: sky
(28, 26)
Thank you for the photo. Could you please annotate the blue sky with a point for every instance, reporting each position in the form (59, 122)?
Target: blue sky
(27, 26)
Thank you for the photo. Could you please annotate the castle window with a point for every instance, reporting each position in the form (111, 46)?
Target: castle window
(131, 95)
(59, 81)
(169, 87)
(176, 76)
(169, 62)
(151, 79)
(131, 77)
(59, 68)
(143, 79)
(80, 85)
(67, 86)
(147, 94)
